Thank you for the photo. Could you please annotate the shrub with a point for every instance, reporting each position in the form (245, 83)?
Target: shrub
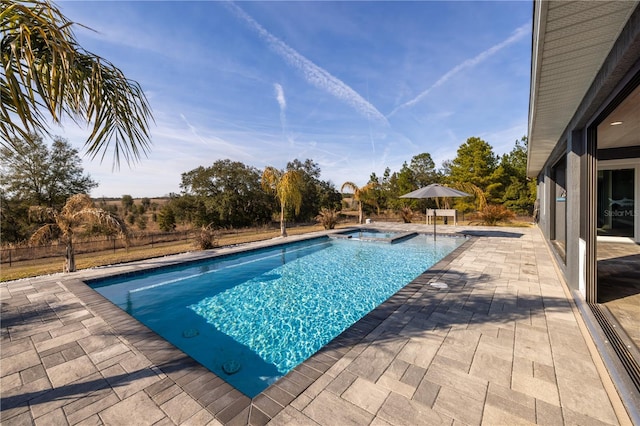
(406, 214)
(494, 213)
(327, 218)
(207, 238)
(166, 219)
(141, 221)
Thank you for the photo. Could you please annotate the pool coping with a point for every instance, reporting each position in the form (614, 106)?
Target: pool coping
(222, 400)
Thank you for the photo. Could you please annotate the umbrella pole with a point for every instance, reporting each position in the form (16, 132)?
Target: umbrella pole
(434, 224)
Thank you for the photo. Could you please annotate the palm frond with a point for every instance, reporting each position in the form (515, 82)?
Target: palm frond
(289, 189)
(366, 195)
(481, 198)
(43, 234)
(270, 179)
(47, 73)
(353, 187)
(76, 203)
(103, 218)
(42, 214)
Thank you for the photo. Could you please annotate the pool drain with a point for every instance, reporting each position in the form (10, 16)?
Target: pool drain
(190, 332)
(231, 367)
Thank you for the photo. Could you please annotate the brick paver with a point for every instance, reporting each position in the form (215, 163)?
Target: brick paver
(499, 344)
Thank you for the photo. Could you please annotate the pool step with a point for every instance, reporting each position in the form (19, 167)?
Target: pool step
(394, 239)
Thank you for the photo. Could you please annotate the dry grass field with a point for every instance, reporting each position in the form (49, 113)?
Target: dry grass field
(32, 268)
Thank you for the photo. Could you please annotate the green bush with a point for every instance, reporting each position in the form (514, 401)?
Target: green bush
(166, 219)
(141, 221)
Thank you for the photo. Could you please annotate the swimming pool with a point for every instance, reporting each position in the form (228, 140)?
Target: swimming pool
(252, 317)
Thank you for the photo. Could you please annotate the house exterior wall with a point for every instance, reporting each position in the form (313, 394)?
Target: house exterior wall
(575, 209)
(580, 196)
(620, 71)
(575, 160)
(552, 213)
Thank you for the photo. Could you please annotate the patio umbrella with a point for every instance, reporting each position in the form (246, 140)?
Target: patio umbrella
(433, 191)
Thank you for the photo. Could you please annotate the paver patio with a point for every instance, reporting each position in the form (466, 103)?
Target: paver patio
(501, 344)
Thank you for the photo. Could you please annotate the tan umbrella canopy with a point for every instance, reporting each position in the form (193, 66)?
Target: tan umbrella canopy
(435, 190)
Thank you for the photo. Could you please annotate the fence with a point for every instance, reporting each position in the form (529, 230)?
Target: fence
(18, 253)
(8, 255)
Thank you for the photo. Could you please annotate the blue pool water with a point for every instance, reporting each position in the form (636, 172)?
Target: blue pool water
(252, 317)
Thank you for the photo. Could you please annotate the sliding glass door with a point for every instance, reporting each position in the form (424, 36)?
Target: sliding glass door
(616, 203)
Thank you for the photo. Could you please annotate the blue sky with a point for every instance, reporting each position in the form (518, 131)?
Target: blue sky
(354, 86)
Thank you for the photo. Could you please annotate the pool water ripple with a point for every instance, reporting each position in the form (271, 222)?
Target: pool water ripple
(309, 300)
(261, 314)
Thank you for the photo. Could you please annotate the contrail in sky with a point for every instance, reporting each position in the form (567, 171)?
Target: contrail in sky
(315, 75)
(282, 102)
(192, 129)
(517, 35)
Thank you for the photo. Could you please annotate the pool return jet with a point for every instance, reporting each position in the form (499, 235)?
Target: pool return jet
(435, 190)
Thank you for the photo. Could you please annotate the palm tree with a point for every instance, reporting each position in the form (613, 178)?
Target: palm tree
(359, 195)
(46, 76)
(78, 211)
(480, 197)
(287, 188)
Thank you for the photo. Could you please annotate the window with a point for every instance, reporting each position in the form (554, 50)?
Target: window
(559, 206)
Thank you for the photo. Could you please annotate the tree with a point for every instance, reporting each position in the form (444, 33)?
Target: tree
(383, 189)
(424, 170)
(37, 175)
(462, 204)
(228, 193)
(475, 163)
(145, 203)
(286, 187)
(315, 192)
(189, 209)
(423, 173)
(328, 196)
(47, 75)
(310, 175)
(400, 183)
(14, 225)
(519, 192)
(141, 222)
(127, 203)
(378, 194)
(78, 211)
(406, 180)
(166, 219)
(360, 195)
